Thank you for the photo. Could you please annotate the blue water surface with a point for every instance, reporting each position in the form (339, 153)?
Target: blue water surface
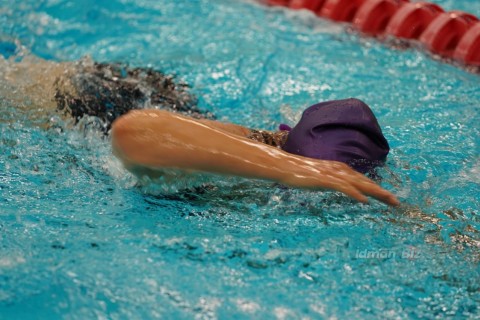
(81, 239)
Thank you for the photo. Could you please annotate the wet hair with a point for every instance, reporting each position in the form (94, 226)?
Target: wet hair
(109, 90)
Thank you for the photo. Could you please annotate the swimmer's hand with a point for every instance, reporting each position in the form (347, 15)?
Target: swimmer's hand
(155, 139)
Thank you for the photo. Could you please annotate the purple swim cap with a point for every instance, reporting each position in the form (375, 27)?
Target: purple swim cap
(340, 130)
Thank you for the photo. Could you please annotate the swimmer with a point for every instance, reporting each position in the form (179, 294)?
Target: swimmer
(155, 124)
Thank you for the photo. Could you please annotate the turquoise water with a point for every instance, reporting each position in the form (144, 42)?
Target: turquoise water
(80, 239)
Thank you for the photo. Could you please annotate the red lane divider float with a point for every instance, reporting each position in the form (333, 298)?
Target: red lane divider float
(312, 5)
(468, 49)
(374, 15)
(341, 10)
(283, 3)
(444, 33)
(454, 34)
(412, 19)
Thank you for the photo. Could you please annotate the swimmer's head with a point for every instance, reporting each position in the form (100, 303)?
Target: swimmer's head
(341, 130)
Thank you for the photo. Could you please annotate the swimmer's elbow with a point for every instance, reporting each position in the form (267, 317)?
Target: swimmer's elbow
(123, 126)
(127, 132)
(121, 131)
(132, 134)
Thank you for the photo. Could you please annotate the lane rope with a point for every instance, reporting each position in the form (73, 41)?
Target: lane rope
(452, 35)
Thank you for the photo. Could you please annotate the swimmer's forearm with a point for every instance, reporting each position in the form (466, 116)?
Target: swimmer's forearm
(159, 139)
(228, 127)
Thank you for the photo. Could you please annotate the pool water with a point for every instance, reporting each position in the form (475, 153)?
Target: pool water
(80, 238)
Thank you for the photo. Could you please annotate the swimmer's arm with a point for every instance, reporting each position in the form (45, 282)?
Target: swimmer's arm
(228, 127)
(155, 139)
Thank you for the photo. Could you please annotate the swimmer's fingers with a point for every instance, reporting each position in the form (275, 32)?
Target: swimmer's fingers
(368, 187)
(352, 192)
(356, 185)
